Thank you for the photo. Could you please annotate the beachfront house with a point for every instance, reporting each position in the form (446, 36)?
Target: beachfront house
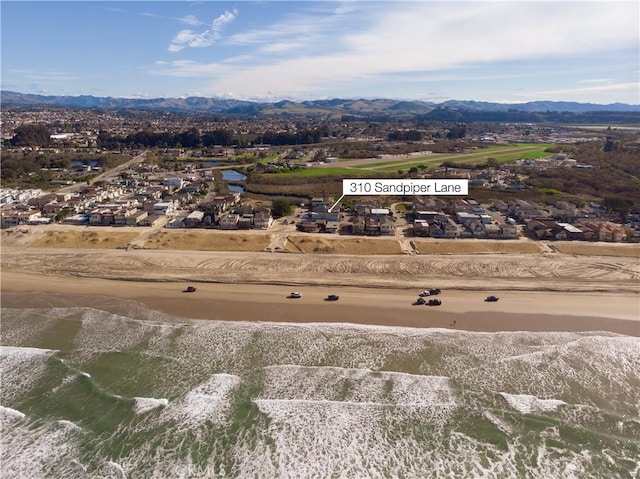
(13, 217)
(194, 219)
(229, 221)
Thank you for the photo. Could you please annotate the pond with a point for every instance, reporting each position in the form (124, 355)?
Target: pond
(233, 175)
(236, 188)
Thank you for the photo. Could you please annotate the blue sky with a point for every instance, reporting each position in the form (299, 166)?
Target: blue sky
(502, 51)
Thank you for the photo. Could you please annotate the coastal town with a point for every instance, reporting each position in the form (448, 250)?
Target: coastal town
(343, 239)
(211, 187)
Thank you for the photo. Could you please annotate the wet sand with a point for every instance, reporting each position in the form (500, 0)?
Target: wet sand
(465, 310)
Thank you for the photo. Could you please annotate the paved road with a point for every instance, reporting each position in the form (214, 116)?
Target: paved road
(108, 175)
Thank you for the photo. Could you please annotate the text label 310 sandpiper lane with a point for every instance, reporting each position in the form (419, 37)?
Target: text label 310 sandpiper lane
(404, 187)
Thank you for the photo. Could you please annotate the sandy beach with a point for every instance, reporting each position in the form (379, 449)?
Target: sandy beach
(546, 291)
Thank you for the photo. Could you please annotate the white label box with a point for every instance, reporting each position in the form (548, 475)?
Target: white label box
(404, 187)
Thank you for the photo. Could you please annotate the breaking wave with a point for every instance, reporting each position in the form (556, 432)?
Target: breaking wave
(121, 391)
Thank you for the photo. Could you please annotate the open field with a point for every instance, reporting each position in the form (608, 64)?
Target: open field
(480, 156)
(85, 239)
(208, 240)
(600, 249)
(476, 247)
(369, 166)
(352, 246)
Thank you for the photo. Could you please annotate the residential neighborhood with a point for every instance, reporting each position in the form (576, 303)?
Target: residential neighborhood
(111, 183)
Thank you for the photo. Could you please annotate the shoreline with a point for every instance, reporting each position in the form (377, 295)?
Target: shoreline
(548, 290)
(516, 311)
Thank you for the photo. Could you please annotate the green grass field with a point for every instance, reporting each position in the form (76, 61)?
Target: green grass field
(433, 161)
(502, 154)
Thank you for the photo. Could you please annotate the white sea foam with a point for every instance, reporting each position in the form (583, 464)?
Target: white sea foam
(104, 331)
(21, 367)
(47, 450)
(318, 383)
(143, 405)
(334, 421)
(117, 468)
(499, 423)
(9, 415)
(355, 417)
(26, 326)
(209, 401)
(526, 404)
(69, 425)
(23, 351)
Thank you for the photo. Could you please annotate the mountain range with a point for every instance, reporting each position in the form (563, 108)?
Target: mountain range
(359, 107)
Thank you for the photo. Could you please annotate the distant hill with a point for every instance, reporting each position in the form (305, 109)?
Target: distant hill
(333, 107)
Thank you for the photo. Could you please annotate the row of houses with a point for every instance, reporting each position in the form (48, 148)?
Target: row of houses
(548, 229)
(12, 195)
(468, 225)
(321, 217)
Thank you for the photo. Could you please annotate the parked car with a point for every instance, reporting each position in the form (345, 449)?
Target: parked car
(434, 302)
(332, 297)
(295, 295)
(430, 292)
(190, 289)
(491, 299)
(419, 301)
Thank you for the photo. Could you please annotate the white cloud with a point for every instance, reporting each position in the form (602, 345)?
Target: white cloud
(191, 20)
(206, 38)
(46, 76)
(610, 93)
(363, 42)
(596, 80)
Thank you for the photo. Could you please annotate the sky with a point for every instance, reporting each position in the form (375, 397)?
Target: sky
(498, 51)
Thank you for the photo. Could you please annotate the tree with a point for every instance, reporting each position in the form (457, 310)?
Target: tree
(281, 207)
(63, 213)
(617, 205)
(457, 131)
(32, 135)
(151, 158)
(492, 162)
(609, 145)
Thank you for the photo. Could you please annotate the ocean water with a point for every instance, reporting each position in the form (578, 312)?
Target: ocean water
(114, 390)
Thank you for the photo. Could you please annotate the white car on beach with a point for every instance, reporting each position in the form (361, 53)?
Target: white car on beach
(295, 295)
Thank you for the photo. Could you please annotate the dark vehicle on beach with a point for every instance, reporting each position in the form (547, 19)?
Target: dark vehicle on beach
(190, 289)
(434, 302)
(491, 299)
(332, 297)
(419, 301)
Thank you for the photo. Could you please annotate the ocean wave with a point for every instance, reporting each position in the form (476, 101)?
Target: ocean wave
(142, 405)
(187, 398)
(9, 415)
(526, 404)
(208, 401)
